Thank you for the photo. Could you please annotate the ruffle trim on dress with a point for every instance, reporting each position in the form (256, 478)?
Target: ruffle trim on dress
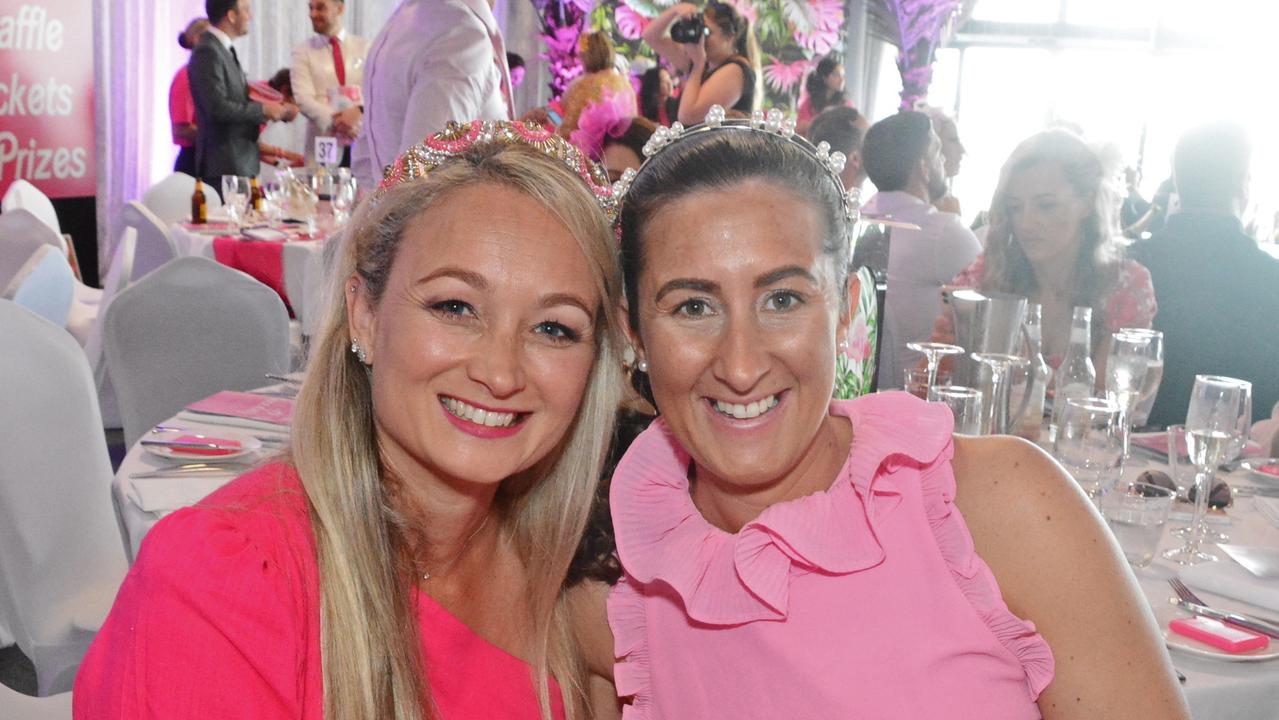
(976, 581)
(626, 617)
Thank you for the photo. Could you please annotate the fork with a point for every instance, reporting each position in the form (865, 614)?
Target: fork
(1191, 602)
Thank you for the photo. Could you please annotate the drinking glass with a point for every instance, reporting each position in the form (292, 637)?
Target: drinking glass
(1089, 443)
(344, 195)
(1154, 374)
(1126, 377)
(995, 420)
(1136, 514)
(273, 191)
(235, 196)
(964, 404)
(934, 352)
(1212, 422)
(1240, 438)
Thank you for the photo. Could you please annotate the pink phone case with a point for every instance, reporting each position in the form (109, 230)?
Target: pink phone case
(1219, 635)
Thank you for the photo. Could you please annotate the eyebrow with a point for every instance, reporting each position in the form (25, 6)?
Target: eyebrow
(783, 273)
(469, 277)
(686, 284)
(554, 299)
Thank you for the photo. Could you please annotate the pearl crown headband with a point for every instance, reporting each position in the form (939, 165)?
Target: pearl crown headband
(457, 138)
(773, 122)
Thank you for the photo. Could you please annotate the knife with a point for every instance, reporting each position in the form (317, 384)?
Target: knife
(185, 470)
(1244, 621)
(191, 445)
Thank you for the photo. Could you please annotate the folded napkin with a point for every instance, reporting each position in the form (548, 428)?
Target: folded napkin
(1269, 509)
(171, 493)
(1229, 579)
(191, 417)
(265, 233)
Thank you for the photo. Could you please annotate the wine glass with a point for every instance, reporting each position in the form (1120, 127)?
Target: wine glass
(964, 404)
(235, 196)
(1212, 422)
(995, 418)
(344, 195)
(1154, 373)
(1126, 377)
(1237, 443)
(1089, 443)
(934, 352)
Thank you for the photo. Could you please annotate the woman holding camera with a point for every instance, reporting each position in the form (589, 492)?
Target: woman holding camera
(716, 49)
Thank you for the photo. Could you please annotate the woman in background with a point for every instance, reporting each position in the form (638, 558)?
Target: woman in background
(596, 53)
(824, 88)
(722, 68)
(655, 96)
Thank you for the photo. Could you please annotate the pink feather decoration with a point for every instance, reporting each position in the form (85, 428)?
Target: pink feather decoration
(610, 116)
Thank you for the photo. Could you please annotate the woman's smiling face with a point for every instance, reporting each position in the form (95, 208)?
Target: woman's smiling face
(739, 316)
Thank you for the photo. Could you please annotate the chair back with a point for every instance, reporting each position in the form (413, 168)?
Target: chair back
(170, 199)
(20, 234)
(22, 194)
(187, 331)
(24, 707)
(117, 280)
(61, 553)
(155, 248)
(44, 285)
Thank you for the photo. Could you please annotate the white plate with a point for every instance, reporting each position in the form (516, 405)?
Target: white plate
(1191, 646)
(248, 444)
(1252, 465)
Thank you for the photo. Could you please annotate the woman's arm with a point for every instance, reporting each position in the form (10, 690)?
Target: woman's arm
(588, 613)
(1058, 566)
(724, 87)
(656, 37)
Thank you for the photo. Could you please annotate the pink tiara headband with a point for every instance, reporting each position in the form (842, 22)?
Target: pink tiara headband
(457, 138)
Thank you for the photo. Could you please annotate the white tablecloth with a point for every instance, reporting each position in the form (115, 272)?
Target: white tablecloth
(303, 262)
(1216, 690)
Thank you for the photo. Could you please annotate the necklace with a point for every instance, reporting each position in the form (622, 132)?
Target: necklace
(427, 574)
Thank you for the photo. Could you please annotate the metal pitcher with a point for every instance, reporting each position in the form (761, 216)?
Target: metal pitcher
(988, 322)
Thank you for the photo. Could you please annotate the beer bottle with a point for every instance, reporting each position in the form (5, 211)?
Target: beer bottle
(255, 194)
(199, 205)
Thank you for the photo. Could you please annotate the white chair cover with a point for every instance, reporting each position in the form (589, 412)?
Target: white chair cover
(117, 280)
(44, 285)
(186, 331)
(155, 248)
(61, 553)
(170, 199)
(21, 234)
(24, 707)
(22, 194)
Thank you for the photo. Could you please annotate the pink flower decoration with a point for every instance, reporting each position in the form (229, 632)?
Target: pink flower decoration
(584, 5)
(783, 76)
(827, 17)
(610, 116)
(630, 24)
(858, 340)
(747, 9)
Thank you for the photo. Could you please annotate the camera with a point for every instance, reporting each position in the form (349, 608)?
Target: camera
(689, 30)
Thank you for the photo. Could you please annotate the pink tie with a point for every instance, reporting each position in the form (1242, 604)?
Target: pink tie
(338, 64)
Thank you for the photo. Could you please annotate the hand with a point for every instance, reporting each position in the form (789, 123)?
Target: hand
(290, 112)
(273, 111)
(347, 122)
(697, 53)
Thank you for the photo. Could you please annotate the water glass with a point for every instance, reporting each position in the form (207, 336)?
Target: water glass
(1136, 514)
(235, 196)
(1089, 443)
(934, 352)
(964, 404)
(344, 195)
(1154, 373)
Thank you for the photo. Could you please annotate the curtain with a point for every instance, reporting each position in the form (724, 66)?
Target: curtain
(136, 54)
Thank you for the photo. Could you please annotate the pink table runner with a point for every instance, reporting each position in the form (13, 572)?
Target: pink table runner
(263, 260)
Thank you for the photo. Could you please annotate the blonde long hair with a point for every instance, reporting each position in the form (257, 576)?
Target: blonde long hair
(369, 635)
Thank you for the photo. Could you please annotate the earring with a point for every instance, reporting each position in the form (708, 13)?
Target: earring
(360, 354)
(642, 366)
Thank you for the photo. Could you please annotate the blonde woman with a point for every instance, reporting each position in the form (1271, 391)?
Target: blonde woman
(600, 79)
(405, 558)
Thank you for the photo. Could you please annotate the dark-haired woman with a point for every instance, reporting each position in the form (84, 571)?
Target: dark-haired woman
(721, 69)
(824, 88)
(786, 555)
(656, 101)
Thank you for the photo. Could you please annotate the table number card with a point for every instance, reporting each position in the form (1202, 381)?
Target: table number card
(327, 150)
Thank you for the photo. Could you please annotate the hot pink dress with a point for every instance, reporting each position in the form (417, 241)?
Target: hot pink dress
(220, 618)
(863, 601)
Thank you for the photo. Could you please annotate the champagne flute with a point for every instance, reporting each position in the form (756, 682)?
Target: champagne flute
(1125, 377)
(343, 198)
(1211, 424)
(1154, 373)
(934, 352)
(995, 420)
(235, 191)
(1089, 443)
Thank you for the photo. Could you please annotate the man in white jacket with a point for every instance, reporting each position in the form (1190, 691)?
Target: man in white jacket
(327, 75)
(434, 61)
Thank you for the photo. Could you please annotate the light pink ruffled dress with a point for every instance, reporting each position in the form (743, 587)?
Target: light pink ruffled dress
(863, 601)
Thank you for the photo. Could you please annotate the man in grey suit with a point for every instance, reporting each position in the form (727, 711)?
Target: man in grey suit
(228, 121)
